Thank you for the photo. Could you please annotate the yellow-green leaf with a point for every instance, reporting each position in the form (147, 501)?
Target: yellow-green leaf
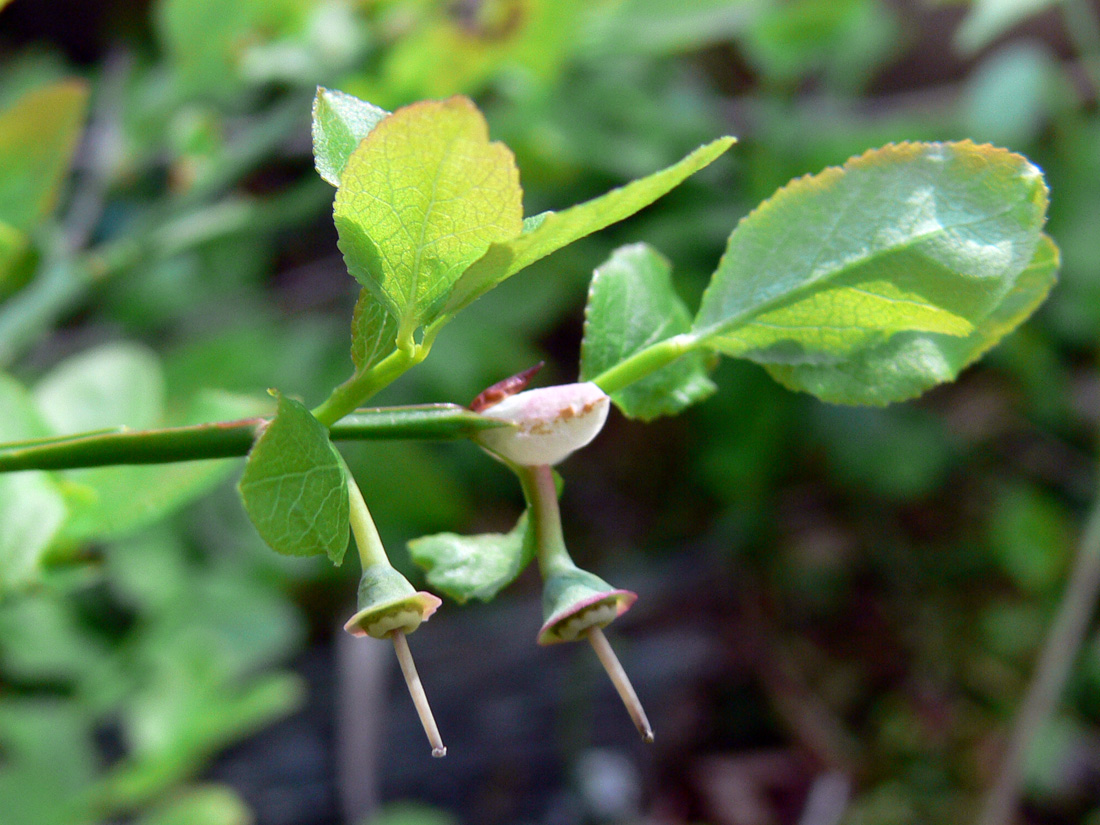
(421, 198)
(38, 135)
(911, 363)
(550, 231)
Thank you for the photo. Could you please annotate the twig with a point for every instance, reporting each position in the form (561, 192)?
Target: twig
(1051, 672)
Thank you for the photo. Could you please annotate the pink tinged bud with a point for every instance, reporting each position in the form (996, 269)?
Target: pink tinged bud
(549, 423)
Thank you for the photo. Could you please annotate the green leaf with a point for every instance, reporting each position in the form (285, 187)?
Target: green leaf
(38, 135)
(657, 27)
(989, 19)
(373, 331)
(294, 488)
(340, 122)
(632, 305)
(108, 386)
(31, 514)
(550, 231)
(422, 197)
(204, 805)
(21, 420)
(925, 238)
(474, 567)
(122, 384)
(911, 362)
(12, 244)
(32, 509)
(209, 42)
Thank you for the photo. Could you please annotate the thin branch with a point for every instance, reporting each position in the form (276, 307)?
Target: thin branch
(226, 439)
(1051, 672)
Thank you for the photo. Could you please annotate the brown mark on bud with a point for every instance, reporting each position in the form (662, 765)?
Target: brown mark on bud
(502, 389)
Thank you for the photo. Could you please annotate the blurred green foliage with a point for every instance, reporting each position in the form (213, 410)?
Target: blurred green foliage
(910, 557)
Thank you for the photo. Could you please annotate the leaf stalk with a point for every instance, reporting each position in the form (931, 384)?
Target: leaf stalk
(645, 362)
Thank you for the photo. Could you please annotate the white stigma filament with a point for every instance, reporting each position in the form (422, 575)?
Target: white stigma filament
(416, 691)
(621, 682)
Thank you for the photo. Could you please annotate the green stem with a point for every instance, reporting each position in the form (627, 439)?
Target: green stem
(367, 540)
(645, 362)
(232, 438)
(1051, 673)
(361, 386)
(542, 500)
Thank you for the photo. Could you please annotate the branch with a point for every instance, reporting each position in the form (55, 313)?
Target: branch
(227, 439)
(1051, 672)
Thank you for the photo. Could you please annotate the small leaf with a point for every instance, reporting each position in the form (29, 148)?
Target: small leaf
(989, 19)
(340, 122)
(913, 238)
(422, 197)
(294, 488)
(548, 232)
(373, 331)
(632, 305)
(38, 135)
(31, 514)
(474, 567)
(32, 509)
(911, 363)
(203, 805)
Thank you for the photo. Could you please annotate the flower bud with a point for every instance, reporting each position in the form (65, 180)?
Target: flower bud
(549, 423)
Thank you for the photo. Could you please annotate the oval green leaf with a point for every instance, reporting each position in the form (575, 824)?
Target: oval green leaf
(32, 509)
(38, 136)
(294, 488)
(910, 238)
(631, 306)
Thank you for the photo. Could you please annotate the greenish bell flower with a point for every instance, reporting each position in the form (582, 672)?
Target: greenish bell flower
(574, 601)
(390, 607)
(576, 604)
(387, 603)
